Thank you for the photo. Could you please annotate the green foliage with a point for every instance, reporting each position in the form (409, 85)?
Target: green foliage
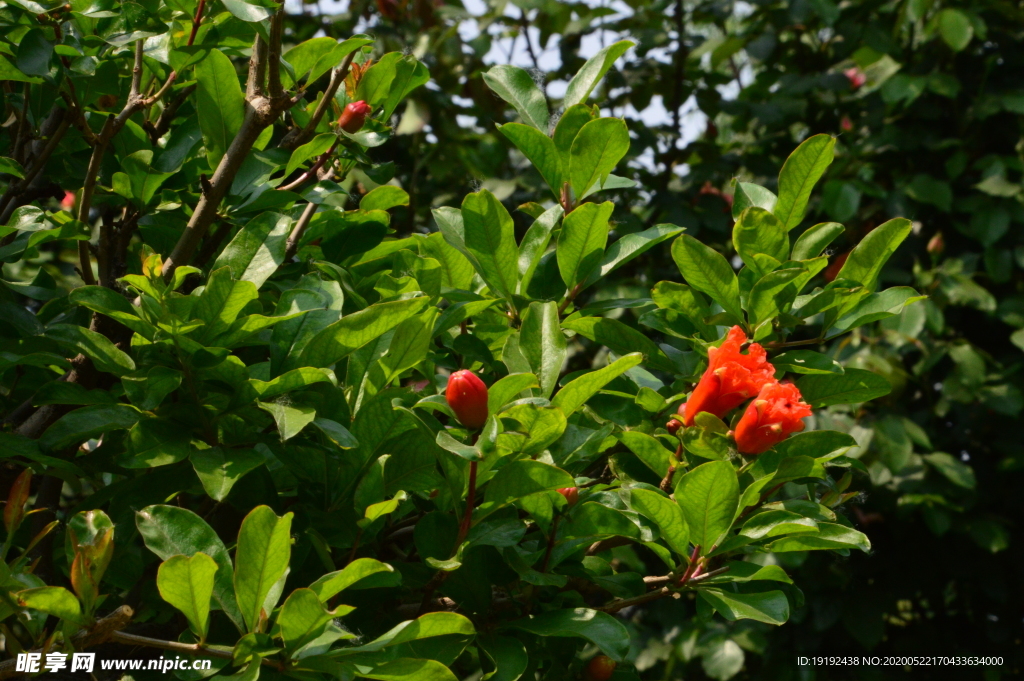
(267, 329)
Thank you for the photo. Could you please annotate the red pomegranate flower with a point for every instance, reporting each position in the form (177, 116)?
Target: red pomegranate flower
(771, 418)
(467, 396)
(856, 77)
(731, 378)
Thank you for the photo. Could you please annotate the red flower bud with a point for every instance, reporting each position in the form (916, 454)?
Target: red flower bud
(571, 494)
(673, 426)
(467, 396)
(731, 378)
(771, 418)
(354, 115)
(846, 124)
(936, 245)
(600, 668)
(832, 271)
(856, 77)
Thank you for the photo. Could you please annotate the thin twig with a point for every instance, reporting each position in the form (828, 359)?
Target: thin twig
(37, 166)
(298, 230)
(338, 76)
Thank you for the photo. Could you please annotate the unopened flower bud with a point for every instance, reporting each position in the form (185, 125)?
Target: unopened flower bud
(600, 668)
(467, 396)
(846, 124)
(936, 245)
(856, 77)
(571, 494)
(354, 115)
(673, 426)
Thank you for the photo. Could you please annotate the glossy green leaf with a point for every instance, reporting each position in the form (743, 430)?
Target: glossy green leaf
(97, 347)
(759, 232)
(490, 238)
(865, 262)
(539, 149)
(591, 73)
(708, 495)
(630, 247)
(187, 584)
(53, 600)
(621, 338)
(597, 149)
(219, 102)
(770, 607)
(333, 583)
(169, 531)
(667, 515)
(851, 387)
(707, 270)
(353, 331)
(748, 194)
(600, 628)
(829, 536)
(576, 393)
(257, 249)
(800, 173)
(516, 87)
(582, 241)
(815, 240)
(261, 559)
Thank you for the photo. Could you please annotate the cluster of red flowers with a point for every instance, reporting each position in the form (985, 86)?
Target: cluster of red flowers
(731, 379)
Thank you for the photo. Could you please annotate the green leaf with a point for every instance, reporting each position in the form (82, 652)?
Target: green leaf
(426, 626)
(219, 470)
(591, 73)
(336, 433)
(290, 418)
(535, 244)
(9, 166)
(408, 669)
(707, 270)
(543, 345)
(88, 422)
(775, 523)
(595, 152)
(851, 387)
(257, 249)
(261, 559)
(35, 53)
(955, 28)
(708, 495)
(629, 247)
(490, 238)
(516, 87)
(247, 11)
(506, 389)
(303, 618)
(771, 294)
(576, 393)
(291, 380)
(187, 584)
(800, 173)
(566, 130)
(815, 240)
(353, 331)
(384, 197)
(953, 470)
(648, 449)
(219, 102)
(9, 72)
(53, 600)
(333, 583)
(375, 84)
(97, 347)
(145, 180)
(681, 299)
(770, 607)
(315, 147)
(410, 73)
(108, 302)
(667, 515)
(759, 232)
(508, 655)
(519, 479)
(620, 338)
(866, 260)
(456, 269)
(600, 628)
(806, 362)
(169, 531)
(154, 442)
(829, 536)
(877, 306)
(582, 241)
(748, 194)
(539, 149)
